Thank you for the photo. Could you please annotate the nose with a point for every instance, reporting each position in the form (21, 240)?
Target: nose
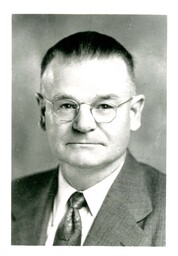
(84, 122)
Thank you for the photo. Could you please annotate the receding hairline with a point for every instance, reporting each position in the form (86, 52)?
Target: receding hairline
(64, 61)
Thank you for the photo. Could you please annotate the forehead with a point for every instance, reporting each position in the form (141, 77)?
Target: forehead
(90, 77)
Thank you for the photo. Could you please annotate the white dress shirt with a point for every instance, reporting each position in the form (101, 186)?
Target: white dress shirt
(94, 197)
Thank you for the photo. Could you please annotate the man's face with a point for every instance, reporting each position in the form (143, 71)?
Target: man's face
(84, 143)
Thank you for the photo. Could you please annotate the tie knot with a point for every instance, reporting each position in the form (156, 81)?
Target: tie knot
(77, 200)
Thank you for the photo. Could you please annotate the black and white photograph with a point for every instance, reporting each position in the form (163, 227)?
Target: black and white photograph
(89, 130)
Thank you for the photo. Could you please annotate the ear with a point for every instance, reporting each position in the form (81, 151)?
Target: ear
(42, 106)
(136, 112)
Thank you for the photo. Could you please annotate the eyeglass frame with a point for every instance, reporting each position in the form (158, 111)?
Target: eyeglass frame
(78, 108)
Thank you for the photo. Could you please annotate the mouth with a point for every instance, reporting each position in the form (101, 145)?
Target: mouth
(85, 144)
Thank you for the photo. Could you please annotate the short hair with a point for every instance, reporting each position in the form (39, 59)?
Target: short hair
(88, 44)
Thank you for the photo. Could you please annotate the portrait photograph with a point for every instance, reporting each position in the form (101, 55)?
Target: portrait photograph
(77, 119)
(90, 162)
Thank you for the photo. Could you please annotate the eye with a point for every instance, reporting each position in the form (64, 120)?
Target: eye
(63, 105)
(104, 106)
(67, 106)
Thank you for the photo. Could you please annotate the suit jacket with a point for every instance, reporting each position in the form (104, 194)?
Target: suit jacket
(132, 214)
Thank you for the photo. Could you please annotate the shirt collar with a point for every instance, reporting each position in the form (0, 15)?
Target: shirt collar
(94, 195)
(65, 190)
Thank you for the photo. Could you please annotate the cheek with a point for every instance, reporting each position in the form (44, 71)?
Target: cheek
(120, 128)
(52, 125)
(56, 132)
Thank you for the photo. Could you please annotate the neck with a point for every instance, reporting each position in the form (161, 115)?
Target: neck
(83, 178)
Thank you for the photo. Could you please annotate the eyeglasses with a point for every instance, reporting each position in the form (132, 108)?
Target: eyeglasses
(67, 110)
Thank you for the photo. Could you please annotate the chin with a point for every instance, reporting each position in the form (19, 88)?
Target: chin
(84, 162)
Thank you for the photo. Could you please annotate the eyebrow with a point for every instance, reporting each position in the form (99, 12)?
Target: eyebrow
(61, 96)
(108, 97)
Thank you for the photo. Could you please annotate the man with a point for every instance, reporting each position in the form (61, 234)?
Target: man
(99, 194)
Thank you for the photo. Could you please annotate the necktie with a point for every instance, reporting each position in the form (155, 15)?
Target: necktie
(69, 231)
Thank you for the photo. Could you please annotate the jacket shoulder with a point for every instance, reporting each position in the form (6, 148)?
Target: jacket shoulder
(148, 180)
(155, 179)
(29, 187)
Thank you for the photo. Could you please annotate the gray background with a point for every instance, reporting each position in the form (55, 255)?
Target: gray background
(144, 36)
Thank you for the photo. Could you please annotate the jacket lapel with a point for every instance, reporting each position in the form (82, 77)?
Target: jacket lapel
(33, 220)
(126, 203)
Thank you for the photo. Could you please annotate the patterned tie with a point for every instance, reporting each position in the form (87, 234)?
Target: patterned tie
(69, 231)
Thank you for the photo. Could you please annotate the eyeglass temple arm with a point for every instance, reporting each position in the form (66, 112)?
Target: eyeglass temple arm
(124, 102)
(38, 95)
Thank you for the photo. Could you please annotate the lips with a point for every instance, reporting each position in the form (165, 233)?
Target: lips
(84, 143)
